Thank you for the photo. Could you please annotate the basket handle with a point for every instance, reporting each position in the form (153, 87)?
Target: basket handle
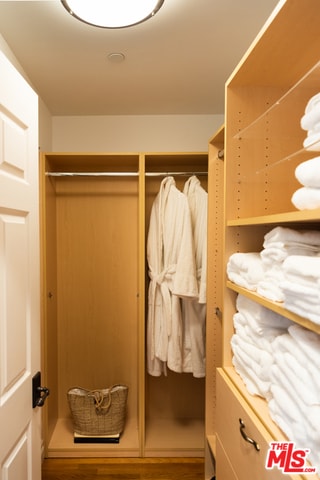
(99, 396)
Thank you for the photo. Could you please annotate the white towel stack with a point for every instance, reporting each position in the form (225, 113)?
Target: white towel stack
(279, 244)
(311, 123)
(294, 401)
(256, 328)
(245, 269)
(301, 287)
(308, 173)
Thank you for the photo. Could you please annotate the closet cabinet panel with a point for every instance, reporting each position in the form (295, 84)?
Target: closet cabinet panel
(224, 468)
(49, 298)
(175, 404)
(266, 97)
(214, 289)
(95, 217)
(247, 461)
(97, 291)
(92, 237)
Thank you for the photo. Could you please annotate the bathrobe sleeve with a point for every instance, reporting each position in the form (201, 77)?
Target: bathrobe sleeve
(180, 246)
(198, 204)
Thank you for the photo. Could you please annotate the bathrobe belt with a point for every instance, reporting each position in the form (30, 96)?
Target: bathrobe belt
(162, 280)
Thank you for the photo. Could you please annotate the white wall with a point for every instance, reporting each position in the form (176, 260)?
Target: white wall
(45, 119)
(45, 128)
(123, 133)
(144, 133)
(4, 47)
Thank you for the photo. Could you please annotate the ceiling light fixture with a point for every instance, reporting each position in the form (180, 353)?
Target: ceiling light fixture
(112, 13)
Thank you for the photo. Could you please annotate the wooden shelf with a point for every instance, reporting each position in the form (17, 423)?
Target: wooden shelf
(285, 218)
(62, 444)
(275, 307)
(167, 438)
(304, 88)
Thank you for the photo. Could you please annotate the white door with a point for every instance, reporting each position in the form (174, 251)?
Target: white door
(20, 425)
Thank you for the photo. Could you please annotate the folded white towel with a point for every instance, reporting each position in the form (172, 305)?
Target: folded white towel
(248, 306)
(279, 378)
(298, 279)
(308, 172)
(299, 429)
(259, 316)
(310, 118)
(296, 379)
(313, 419)
(301, 287)
(274, 253)
(302, 312)
(285, 402)
(315, 129)
(312, 142)
(254, 357)
(306, 198)
(296, 429)
(284, 236)
(270, 291)
(245, 269)
(254, 333)
(269, 287)
(254, 385)
(286, 343)
(301, 292)
(305, 266)
(282, 421)
(308, 341)
(266, 339)
(313, 102)
(305, 306)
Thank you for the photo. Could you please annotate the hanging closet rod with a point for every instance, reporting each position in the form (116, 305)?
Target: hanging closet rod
(120, 174)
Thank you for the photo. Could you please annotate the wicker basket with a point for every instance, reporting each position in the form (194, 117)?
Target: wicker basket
(98, 412)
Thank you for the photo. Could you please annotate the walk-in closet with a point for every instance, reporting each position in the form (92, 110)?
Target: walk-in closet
(95, 211)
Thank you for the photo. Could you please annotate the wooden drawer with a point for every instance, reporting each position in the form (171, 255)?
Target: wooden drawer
(245, 460)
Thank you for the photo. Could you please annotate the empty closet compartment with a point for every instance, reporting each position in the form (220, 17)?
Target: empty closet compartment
(90, 205)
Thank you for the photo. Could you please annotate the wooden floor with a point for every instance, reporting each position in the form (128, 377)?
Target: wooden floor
(123, 469)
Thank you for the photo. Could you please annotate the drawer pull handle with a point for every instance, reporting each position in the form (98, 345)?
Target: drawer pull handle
(245, 436)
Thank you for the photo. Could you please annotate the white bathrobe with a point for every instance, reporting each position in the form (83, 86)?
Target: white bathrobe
(172, 273)
(194, 310)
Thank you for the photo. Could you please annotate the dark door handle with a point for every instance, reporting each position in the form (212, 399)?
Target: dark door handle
(39, 393)
(43, 393)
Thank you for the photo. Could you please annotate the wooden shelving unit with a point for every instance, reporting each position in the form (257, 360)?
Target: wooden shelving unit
(94, 284)
(214, 289)
(265, 99)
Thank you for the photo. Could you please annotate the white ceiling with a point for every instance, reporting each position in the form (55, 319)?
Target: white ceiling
(175, 63)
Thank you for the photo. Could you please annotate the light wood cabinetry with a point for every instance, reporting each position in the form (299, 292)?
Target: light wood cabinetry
(94, 281)
(214, 288)
(265, 99)
(247, 460)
